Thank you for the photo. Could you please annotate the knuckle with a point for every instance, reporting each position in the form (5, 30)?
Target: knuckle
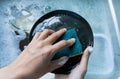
(46, 30)
(64, 42)
(55, 35)
(84, 70)
(40, 45)
(37, 33)
(43, 54)
(47, 51)
(86, 55)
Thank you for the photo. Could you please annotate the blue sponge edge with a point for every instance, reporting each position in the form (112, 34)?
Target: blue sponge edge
(75, 49)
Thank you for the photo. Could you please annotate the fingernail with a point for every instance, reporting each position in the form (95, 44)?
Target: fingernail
(73, 39)
(64, 29)
(63, 61)
(90, 49)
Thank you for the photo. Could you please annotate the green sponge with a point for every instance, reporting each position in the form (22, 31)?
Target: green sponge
(73, 50)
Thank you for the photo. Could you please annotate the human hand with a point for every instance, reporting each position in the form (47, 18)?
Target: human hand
(35, 60)
(80, 70)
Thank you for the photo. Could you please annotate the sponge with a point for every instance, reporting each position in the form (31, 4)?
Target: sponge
(75, 49)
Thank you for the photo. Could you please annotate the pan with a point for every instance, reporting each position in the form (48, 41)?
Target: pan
(58, 19)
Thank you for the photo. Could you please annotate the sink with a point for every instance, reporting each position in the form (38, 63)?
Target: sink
(103, 62)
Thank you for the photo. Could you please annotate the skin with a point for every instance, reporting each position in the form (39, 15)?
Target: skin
(80, 70)
(35, 60)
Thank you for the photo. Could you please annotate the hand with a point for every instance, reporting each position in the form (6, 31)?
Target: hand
(80, 70)
(35, 60)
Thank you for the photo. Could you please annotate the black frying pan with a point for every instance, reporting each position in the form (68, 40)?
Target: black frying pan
(58, 19)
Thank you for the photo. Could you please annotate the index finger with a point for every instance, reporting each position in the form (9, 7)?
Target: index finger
(52, 38)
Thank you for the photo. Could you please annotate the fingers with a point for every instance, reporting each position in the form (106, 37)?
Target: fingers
(80, 70)
(61, 76)
(52, 38)
(84, 61)
(58, 63)
(36, 35)
(61, 45)
(85, 57)
(45, 34)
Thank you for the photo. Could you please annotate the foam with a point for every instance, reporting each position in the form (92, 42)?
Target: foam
(9, 45)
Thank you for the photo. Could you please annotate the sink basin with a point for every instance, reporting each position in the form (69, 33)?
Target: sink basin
(103, 62)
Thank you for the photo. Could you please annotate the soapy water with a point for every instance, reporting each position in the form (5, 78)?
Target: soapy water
(92, 14)
(23, 17)
(47, 24)
(93, 11)
(16, 18)
(9, 45)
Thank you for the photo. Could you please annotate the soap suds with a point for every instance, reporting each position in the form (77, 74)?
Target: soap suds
(9, 45)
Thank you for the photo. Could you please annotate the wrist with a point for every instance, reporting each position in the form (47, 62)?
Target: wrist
(20, 71)
(9, 72)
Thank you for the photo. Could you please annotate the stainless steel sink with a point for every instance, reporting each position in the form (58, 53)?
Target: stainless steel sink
(102, 15)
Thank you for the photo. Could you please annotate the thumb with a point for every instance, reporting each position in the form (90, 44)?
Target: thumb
(58, 63)
(84, 61)
(80, 70)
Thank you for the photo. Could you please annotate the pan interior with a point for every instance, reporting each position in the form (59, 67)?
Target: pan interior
(59, 19)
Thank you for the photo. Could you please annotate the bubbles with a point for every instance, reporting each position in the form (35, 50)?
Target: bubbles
(47, 24)
(9, 45)
(95, 12)
(15, 11)
(46, 9)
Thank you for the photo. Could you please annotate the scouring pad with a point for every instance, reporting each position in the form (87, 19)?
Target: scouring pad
(75, 49)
